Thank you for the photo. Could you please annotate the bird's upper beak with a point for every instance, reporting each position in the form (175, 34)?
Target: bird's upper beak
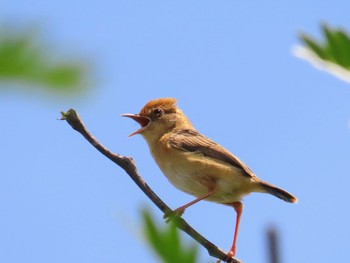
(142, 120)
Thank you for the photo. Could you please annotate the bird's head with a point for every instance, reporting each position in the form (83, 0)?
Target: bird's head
(159, 116)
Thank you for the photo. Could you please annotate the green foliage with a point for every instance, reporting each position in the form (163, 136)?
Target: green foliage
(332, 55)
(335, 48)
(166, 242)
(23, 60)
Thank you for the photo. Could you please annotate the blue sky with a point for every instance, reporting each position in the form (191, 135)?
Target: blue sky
(230, 65)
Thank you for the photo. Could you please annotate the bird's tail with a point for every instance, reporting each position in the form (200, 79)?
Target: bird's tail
(278, 192)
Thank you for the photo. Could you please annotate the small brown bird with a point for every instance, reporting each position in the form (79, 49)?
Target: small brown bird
(195, 164)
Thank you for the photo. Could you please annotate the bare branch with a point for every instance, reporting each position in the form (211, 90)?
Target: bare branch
(128, 164)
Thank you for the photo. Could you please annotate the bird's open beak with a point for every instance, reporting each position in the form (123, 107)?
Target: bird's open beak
(142, 120)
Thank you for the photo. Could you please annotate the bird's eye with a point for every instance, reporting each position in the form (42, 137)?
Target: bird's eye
(158, 112)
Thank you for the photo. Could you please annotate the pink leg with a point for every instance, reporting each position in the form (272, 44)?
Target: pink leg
(180, 210)
(238, 206)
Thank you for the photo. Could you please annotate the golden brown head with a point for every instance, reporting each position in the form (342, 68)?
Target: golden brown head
(168, 105)
(158, 117)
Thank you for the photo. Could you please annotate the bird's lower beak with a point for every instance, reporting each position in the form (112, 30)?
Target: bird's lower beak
(142, 120)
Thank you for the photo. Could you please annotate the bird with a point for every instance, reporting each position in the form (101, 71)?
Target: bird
(197, 165)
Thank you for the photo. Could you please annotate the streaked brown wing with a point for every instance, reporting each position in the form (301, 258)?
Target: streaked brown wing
(193, 141)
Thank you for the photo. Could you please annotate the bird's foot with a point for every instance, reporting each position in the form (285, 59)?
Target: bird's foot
(173, 215)
(230, 254)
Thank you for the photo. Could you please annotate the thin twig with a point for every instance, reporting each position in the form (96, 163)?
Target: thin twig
(128, 164)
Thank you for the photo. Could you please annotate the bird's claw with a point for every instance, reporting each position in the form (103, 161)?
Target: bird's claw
(173, 215)
(230, 255)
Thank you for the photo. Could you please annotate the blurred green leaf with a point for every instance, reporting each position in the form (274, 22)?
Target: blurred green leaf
(335, 48)
(23, 59)
(343, 42)
(166, 242)
(332, 54)
(313, 45)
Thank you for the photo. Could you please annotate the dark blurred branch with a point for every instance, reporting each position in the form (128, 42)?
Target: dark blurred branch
(272, 242)
(128, 164)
